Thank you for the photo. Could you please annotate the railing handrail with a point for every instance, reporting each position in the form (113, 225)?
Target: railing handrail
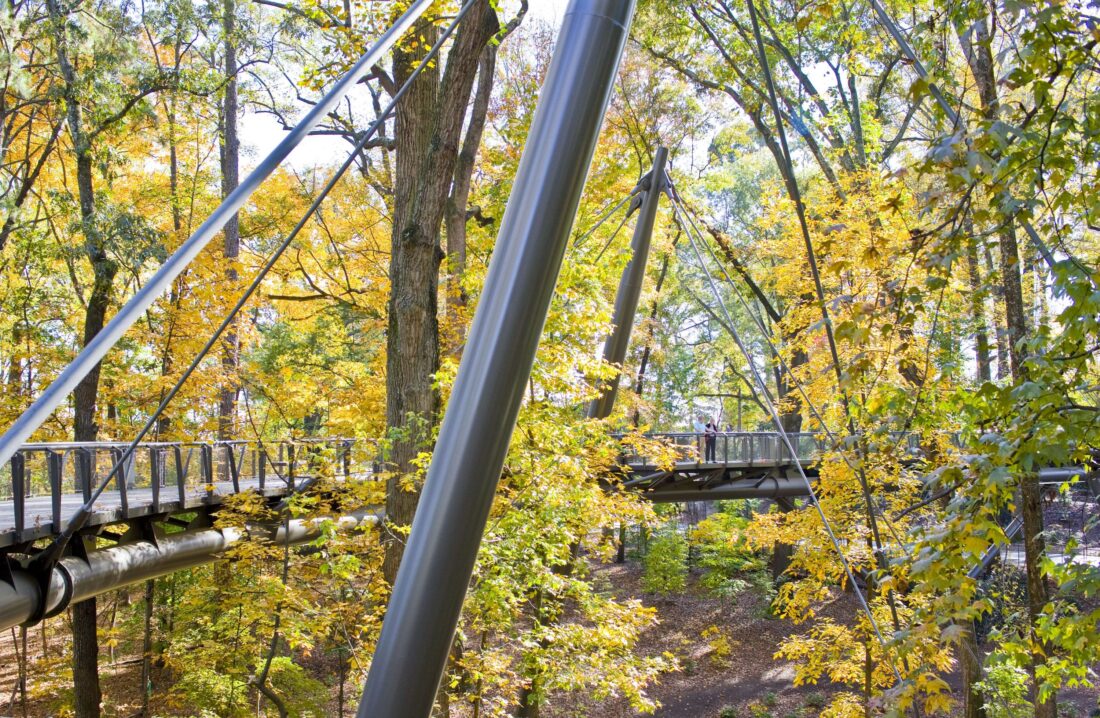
(67, 445)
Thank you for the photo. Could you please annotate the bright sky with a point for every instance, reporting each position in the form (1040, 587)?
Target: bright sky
(260, 133)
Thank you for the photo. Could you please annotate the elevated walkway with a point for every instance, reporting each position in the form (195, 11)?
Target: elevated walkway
(45, 484)
(758, 465)
(159, 510)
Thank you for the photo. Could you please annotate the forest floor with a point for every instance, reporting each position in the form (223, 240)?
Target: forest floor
(725, 648)
(748, 682)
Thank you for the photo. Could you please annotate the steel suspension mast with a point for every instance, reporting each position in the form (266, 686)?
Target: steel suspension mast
(630, 286)
(473, 440)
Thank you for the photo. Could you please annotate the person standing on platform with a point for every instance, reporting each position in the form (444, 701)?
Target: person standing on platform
(700, 429)
(710, 437)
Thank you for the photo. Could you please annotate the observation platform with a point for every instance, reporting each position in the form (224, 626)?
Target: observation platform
(755, 465)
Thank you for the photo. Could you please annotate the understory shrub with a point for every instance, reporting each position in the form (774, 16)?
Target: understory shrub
(729, 565)
(1004, 691)
(665, 565)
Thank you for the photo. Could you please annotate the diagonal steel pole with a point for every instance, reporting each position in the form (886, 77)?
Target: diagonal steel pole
(97, 348)
(630, 286)
(427, 596)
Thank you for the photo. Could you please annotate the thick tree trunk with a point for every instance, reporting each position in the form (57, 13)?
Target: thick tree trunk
(86, 692)
(427, 131)
(781, 552)
(230, 151)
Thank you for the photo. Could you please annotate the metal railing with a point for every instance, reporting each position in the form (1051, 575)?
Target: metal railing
(43, 483)
(750, 448)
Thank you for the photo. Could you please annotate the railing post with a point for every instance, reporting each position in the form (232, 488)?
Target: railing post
(120, 480)
(154, 476)
(262, 461)
(85, 472)
(290, 457)
(427, 596)
(18, 492)
(206, 466)
(53, 470)
(181, 473)
(234, 469)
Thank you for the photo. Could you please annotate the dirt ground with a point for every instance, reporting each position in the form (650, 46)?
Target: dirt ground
(750, 683)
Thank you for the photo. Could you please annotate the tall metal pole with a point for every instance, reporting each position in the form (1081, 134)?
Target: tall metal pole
(496, 365)
(630, 286)
(95, 350)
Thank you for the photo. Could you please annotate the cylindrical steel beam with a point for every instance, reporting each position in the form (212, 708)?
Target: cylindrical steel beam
(18, 599)
(74, 579)
(97, 348)
(496, 365)
(772, 488)
(630, 286)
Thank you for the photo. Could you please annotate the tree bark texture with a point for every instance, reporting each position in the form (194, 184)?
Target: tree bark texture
(427, 132)
(464, 169)
(87, 694)
(230, 151)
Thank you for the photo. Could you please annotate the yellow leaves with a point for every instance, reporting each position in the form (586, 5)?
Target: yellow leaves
(719, 644)
(845, 705)
(936, 693)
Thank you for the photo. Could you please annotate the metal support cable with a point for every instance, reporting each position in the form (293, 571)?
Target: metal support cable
(604, 217)
(785, 437)
(611, 239)
(78, 519)
(681, 211)
(97, 348)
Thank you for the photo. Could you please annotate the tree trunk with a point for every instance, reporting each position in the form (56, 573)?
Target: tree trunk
(977, 313)
(781, 552)
(86, 692)
(147, 648)
(1000, 331)
(427, 130)
(1015, 316)
(464, 169)
(230, 151)
(87, 695)
(980, 58)
(970, 660)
